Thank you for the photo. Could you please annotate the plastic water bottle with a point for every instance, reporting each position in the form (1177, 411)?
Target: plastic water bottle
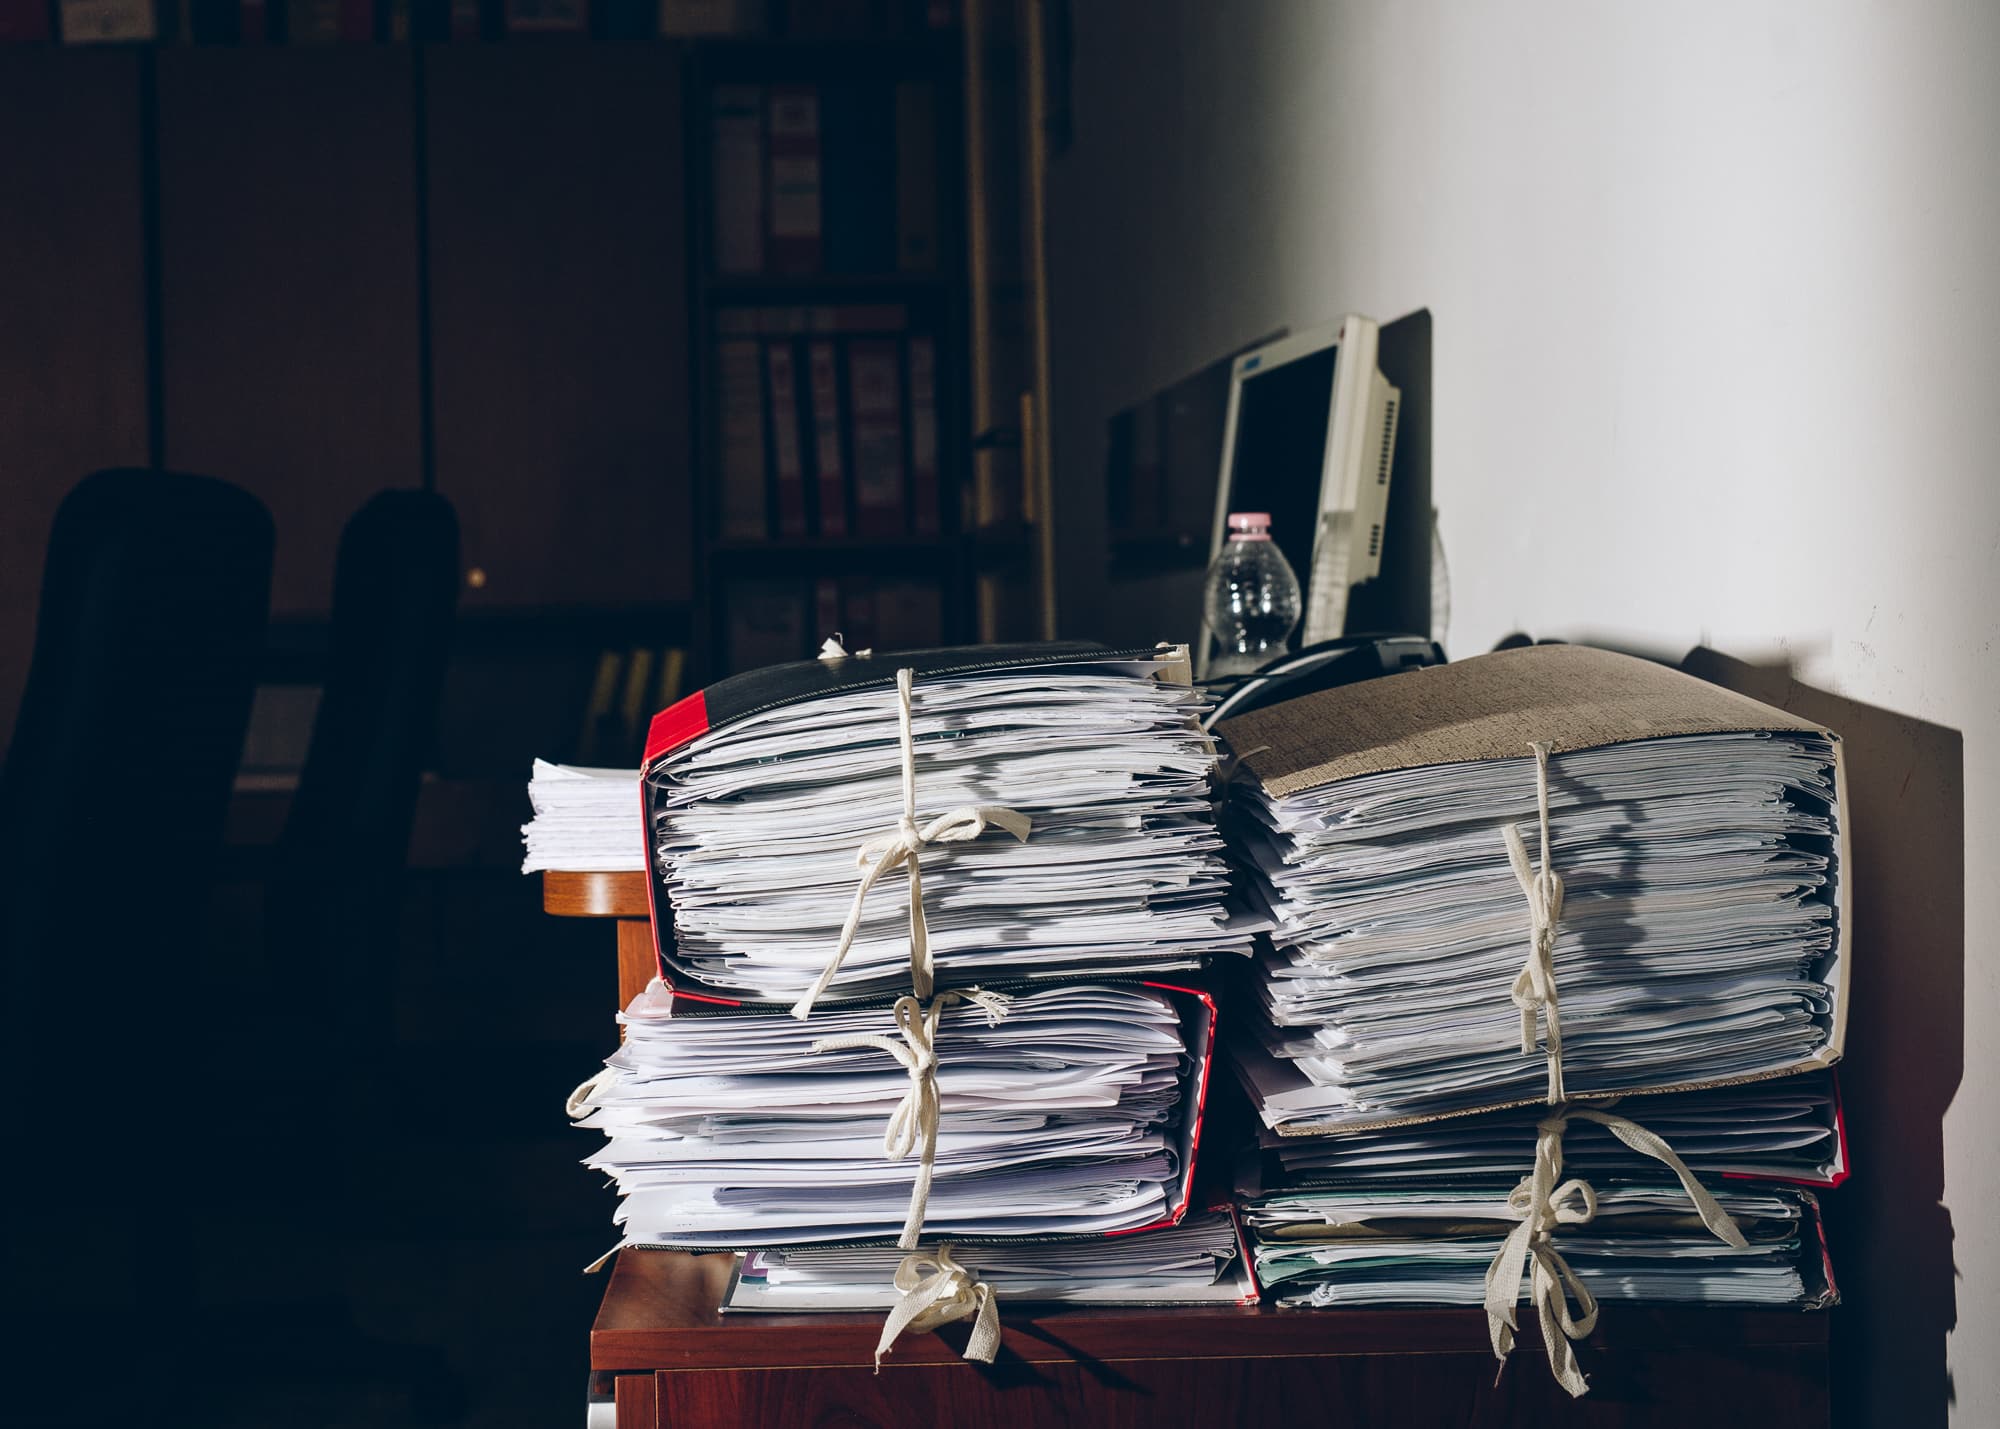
(1252, 597)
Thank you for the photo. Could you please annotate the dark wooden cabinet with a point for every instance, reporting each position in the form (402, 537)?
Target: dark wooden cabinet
(668, 1358)
(73, 363)
(558, 281)
(290, 351)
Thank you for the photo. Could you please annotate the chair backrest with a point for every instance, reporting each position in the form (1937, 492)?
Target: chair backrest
(112, 804)
(154, 602)
(395, 596)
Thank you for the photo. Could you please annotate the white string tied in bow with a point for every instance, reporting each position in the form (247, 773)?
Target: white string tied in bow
(937, 1290)
(915, 1119)
(901, 848)
(1534, 989)
(1543, 1203)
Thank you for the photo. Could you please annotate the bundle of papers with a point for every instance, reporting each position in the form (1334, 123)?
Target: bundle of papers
(1784, 1130)
(758, 823)
(1071, 1115)
(586, 820)
(1195, 1262)
(1695, 935)
(1426, 1246)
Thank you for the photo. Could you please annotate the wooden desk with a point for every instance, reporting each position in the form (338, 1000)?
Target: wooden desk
(670, 1358)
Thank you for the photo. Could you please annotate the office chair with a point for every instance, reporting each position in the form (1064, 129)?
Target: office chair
(117, 781)
(335, 900)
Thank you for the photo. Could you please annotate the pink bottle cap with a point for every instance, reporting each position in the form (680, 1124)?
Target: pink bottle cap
(1250, 525)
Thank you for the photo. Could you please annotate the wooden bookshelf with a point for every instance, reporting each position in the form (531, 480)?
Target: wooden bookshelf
(931, 301)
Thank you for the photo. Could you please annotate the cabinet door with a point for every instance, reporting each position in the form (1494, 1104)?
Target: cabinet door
(288, 270)
(72, 307)
(558, 299)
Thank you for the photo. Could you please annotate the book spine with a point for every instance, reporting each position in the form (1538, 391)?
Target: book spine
(736, 161)
(632, 708)
(673, 669)
(829, 470)
(593, 740)
(925, 518)
(794, 205)
(464, 20)
(916, 177)
(357, 21)
(874, 404)
(104, 22)
(787, 447)
(744, 516)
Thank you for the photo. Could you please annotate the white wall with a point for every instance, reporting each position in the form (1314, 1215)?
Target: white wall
(1716, 291)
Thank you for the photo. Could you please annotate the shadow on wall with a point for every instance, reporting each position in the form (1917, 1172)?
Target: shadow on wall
(1890, 1232)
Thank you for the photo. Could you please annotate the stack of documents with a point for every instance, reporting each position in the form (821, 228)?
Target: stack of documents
(905, 904)
(586, 820)
(1431, 1245)
(1072, 1115)
(1412, 1214)
(1196, 1262)
(758, 821)
(1782, 1130)
(1695, 834)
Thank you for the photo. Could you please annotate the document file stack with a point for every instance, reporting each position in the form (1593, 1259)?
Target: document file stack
(1555, 876)
(1068, 1115)
(586, 820)
(914, 913)
(1411, 1214)
(759, 823)
(1196, 1262)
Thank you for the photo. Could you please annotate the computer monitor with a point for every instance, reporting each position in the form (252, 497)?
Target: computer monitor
(1308, 436)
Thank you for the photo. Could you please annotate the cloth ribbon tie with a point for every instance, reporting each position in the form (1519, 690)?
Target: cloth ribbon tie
(936, 1291)
(900, 848)
(1534, 989)
(1544, 1201)
(914, 1122)
(578, 1105)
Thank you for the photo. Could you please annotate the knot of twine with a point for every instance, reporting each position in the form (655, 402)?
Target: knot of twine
(900, 848)
(914, 1122)
(1534, 989)
(937, 1290)
(1543, 1201)
(578, 1105)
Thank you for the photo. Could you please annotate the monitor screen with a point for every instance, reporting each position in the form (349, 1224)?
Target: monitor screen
(1280, 453)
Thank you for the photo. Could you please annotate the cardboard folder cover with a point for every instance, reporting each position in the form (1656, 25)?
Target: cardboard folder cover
(1490, 708)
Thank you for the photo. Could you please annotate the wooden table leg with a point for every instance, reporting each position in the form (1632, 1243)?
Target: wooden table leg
(637, 962)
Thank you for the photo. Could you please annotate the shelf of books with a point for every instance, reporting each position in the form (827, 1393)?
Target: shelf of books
(799, 35)
(831, 351)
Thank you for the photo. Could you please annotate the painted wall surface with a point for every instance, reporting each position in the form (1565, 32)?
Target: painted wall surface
(1717, 303)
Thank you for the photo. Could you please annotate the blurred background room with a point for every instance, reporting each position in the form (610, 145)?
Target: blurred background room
(395, 392)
